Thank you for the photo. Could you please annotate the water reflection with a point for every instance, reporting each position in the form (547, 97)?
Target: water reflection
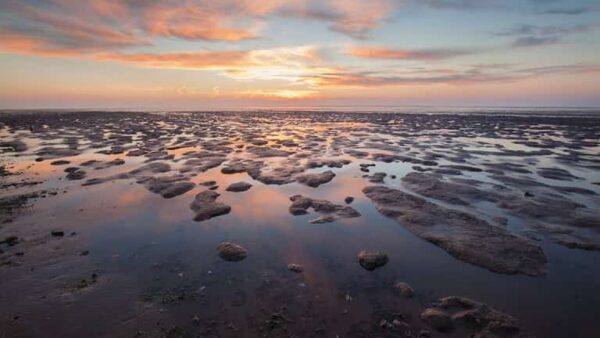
(156, 265)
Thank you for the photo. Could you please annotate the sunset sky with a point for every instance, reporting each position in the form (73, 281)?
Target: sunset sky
(186, 54)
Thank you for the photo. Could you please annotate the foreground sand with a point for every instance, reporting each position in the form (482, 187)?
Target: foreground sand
(349, 224)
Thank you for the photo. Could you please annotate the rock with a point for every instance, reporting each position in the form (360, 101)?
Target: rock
(295, 268)
(430, 185)
(259, 142)
(206, 206)
(405, 290)
(167, 186)
(202, 162)
(349, 199)
(356, 153)
(10, 240)
(315, 180)
(59, 162)
(76, 174)
(385, 158)
(318, 163)
(384, 324)
(239, 186)
(208, 183)
(152, 168)
(556, 174)
(462, 235)
(57, 233)
(176, 189)
(15, 146)
(478, 319)
(260, 151)
(372, 260)
(463, 168)
(136, 152)
(301, 204)
(231, 252)
(376, 177)
(438, 319)
(47, 153)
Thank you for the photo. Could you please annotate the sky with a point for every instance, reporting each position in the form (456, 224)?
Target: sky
(195, 54)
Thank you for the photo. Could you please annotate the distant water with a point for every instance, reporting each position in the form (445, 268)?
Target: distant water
(496, 110)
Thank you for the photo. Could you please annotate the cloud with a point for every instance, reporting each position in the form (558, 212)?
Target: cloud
(358, 17)
(293, 64)
(206, 60)
(534, 41)
(405, 54)
(458, 4)
(470, 75)
(278, 94)
(532, 36)
(572, 11)
(61, 27)
(34, 29)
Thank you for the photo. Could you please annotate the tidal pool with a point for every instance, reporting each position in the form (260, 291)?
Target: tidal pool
(99, 238)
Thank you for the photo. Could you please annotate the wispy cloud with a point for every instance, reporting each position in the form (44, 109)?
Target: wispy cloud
(567, 11)
(293, 64)
(375, 52)
(60, 27)
(533, 41)
(531, 35)
(470, 75)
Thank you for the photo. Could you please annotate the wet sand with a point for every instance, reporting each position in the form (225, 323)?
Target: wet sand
(299, 224)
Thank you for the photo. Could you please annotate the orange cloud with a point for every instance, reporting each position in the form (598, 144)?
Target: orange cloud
(293, 64)
(193, 22)
(279, 94)
(358, 17)
(78, 27)
(190, 60)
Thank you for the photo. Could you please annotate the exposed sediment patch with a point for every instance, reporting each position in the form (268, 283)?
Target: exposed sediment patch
(462, 235)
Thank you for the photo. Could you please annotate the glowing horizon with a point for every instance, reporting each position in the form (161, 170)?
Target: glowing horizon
(200, 54)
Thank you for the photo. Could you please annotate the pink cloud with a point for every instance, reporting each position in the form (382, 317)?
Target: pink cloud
(57, 26)
(405, 54)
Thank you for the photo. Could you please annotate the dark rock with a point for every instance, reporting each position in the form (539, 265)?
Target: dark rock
(301, 204)
(10, 240)
(295, 268)
(318, 163)
(438, 319)
(77, 174)
(478, 319)
(206, 206)
(15, 146)
(556, 174)
(405, 289)
(376, 177)
(315, 180)
(371, 260)
(239, 186)
(57, 233)
(231, 252)
(167, 186)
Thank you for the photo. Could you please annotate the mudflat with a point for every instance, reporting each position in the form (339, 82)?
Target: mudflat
(299, 224)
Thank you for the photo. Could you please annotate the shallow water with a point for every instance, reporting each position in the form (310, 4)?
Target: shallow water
(158, 273)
